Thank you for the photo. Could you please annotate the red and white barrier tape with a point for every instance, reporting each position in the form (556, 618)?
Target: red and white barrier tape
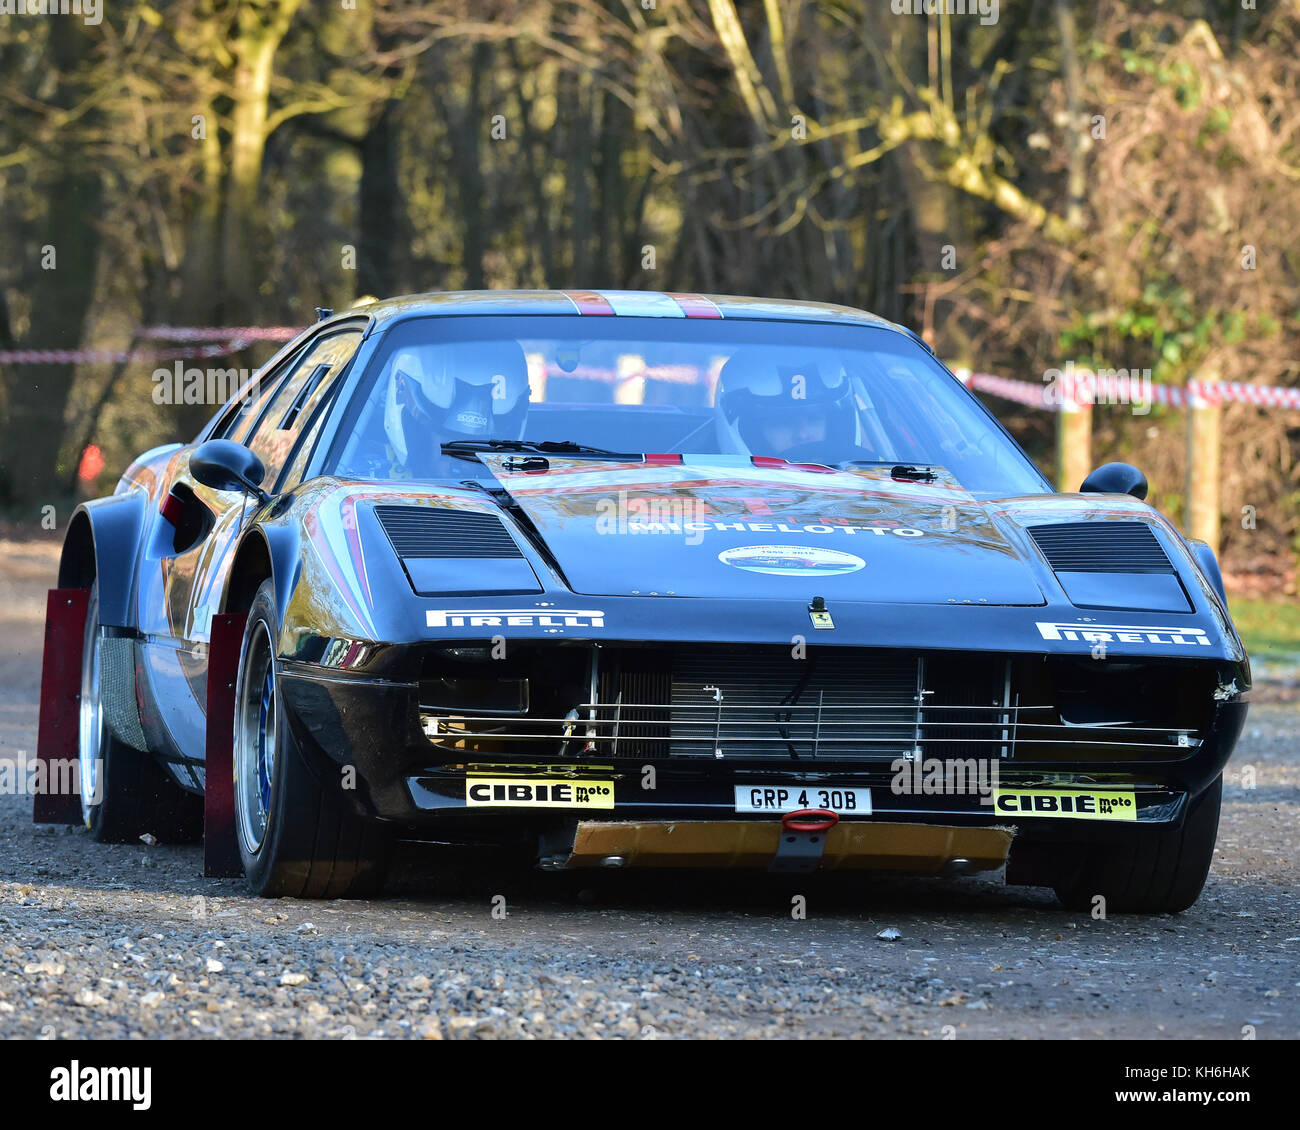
(1081, 390)
(1112, 390)
(220, 341)
(669, 374)
(111, 356)
(1035, 396)
(1267, 396)
(219, 333)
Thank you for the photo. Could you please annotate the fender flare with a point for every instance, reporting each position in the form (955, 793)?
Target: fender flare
(103, 541)
(263, 550)
(1209, 564)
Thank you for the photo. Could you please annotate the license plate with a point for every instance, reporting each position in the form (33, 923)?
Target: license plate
(779, 799)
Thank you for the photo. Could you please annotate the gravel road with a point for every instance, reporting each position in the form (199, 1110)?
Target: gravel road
(131, 942)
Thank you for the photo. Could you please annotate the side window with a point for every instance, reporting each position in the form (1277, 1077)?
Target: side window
(289, 408)
(242, 411)
(313, 418)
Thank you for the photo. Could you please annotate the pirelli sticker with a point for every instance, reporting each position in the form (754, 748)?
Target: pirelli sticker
(1073, 804)
(516, 792)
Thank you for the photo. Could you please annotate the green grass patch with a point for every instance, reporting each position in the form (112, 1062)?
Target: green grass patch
(1270, 629)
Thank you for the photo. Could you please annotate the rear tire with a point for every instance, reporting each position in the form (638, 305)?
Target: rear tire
(125, 793)
(1149, 870)
(296, 838)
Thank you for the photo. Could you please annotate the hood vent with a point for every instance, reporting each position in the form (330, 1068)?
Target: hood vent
(1101, 547)
(429, 531)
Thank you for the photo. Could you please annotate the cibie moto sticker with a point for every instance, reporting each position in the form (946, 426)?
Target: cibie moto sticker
(533, 793)
(1072, 804)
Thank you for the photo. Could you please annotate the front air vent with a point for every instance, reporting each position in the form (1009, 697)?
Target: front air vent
(435, 531)
(701, 706)
(1101, 547)
(856, 703)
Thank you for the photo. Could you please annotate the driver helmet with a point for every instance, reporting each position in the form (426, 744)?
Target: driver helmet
(469, 390)
(772, 402)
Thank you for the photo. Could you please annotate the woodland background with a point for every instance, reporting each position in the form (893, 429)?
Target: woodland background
(1116, 185)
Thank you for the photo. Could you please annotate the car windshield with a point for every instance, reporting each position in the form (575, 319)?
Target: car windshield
(830, 394)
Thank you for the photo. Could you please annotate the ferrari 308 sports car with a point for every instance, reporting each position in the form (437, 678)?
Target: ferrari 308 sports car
(623, 579)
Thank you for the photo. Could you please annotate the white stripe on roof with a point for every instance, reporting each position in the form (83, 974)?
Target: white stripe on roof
(642, 304)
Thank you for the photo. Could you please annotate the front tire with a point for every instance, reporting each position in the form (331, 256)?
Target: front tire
(1150, 870)
(125, 793)
(296, 838)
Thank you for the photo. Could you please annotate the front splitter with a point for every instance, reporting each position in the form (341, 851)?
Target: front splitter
(926, 849)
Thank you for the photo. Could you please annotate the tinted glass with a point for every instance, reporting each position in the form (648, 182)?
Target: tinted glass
(289, 408)
(829, 394)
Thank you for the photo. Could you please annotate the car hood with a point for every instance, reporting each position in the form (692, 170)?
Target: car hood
(722, 526)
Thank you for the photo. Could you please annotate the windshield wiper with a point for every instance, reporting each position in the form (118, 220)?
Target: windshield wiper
(911, 472)
(470, 448)
(924, 472)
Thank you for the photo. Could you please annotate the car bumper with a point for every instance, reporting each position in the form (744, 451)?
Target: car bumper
(364, 739)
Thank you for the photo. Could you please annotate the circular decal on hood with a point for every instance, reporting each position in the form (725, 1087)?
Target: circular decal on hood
(791, 560)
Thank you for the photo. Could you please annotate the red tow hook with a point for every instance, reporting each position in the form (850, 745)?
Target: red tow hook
(810, 820)
(802, 842)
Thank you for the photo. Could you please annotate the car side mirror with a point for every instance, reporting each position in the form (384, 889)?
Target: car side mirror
(222, 464)
(1116, 478)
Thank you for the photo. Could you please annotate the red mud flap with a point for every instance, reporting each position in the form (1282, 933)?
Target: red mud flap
(220, 847)
(803, 840)
(60, 710)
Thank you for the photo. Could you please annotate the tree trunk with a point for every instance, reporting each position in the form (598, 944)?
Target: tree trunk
(380, 207)
(261, 29)
(37, 395)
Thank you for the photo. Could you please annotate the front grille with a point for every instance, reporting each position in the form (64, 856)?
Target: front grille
(854, 705)
(430, 531)
(1101, 547)
(763, 705)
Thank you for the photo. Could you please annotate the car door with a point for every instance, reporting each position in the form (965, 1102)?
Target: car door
(271, 433)
(192, 520)
(194, 580)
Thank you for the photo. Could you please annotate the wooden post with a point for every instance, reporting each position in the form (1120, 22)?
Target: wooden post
(1073, 437)
(1202, 518)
